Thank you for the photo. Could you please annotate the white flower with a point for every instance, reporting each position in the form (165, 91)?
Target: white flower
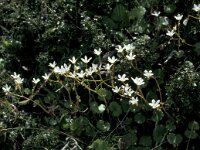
(155, 104)
(112, 60)
(148, 74)
(116, 89)
(196, 7)
(128, 92)
(129, 47)
(122, 78)
(19, 80)
(86, 60)
(101, 108)
(89, 71)
(72, 75)
(155, 13)
(108, 67)
(165, 21)
(178, 17)
(95, 67)
(6, 89)
(130, 56)
(52, 65)
(73, 60)
(133, 101)
(15, 76)
(46, 76)
(119, 49)
(170, 33)
(138, 81)
(81, 74)
(185, 22)
(97, 52)
(35, 81)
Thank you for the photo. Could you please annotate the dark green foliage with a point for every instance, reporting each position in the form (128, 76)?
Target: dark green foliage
(65, 114)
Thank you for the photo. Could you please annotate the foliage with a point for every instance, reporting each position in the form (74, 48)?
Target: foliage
(99, 74)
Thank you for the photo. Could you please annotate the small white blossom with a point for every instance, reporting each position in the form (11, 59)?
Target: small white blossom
(196, 7)
(81, 74)
(108, 67)
(170, 33)
(101, 108)
(119, 49)
(35, 81)
(72, 75)
(6, 89)
(138, 81)
(46, 76)
(148, 74)
(15, 76)
(95, 67)
(89, 71)
(19, 80)
(112, 60)
(155, 13)
(97, 52)
(133, 101)
(122, 78)
(164, 21)
(128, 92)
(155, 104)
(129, 47)
(130, 56)
(73, 60)
(178, 17)
(116, 89)
(52, 65)
(86, 60)
(185, 22)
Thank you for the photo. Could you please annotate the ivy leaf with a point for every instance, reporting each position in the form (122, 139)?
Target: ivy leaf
(197, 48)
(137, 13)
(145, 141)
(158, 133)
(115, 108)
(103, 126)
(174, 139)
(139, 118)
(118, 13)
(190, 134)
(157, 116)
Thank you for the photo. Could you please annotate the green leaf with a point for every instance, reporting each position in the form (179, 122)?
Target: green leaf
(197, 48)
(131, 138)
(115, 108)
(174, 139)
(145, 141)
(103, 126)
(139, 118)
(100, 145)
(190, 134)
(94, 107)
(157, 116)
(158, 133)
(170, 126)
(137, 13)
(104, 94)
(118, 13)
(169, 8)
(193, 125)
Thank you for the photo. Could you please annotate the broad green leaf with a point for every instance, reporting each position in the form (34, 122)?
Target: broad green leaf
(118, 13)
(137, 13)
(169, 8)
(193, 125)
(157, 116)
(103, 126)
(139, 118)
(115, 108)
(191, 134)
(94, 107)
(145, 141)
(174, 139)
(104, 94)
(159, 132)
(100, 145)
(170, 126)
